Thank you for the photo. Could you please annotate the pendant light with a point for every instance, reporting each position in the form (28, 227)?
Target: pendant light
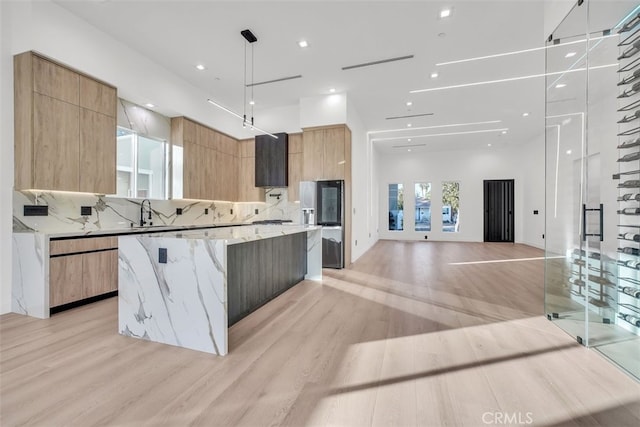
(250, 38)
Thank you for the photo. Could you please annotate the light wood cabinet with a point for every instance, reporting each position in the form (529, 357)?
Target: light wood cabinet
(56, 145)
(97, 156)
(98, 97)
(210, 161)
(65, 128)
(313, 155)
(65, 280)
(247, 190)
(295, 166)
(53, 80)
(82, 268)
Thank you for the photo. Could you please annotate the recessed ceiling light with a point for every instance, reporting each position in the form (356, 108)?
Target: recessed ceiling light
(149, 105)
(303, 43)
(252, 102)
(434, 75)
(489, 145)
(408, 139)
(570, 54)
(568, 151)
(332, 90)
(525, 114)
(445, 13)
(504, 132)
(409, 103)
(560, 85)
(408, 125)
(201, 67)
(409, 149)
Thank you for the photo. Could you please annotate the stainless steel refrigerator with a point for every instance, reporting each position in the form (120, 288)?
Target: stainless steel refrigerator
(329, 213)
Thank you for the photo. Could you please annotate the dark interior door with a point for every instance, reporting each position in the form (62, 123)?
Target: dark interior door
(498, 210)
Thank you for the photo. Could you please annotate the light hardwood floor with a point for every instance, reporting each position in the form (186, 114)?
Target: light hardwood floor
(417, 333)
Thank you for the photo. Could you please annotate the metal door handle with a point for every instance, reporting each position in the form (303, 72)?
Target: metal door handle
(584, 222)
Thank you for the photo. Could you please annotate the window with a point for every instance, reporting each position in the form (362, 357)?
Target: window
(423, 206)
(450, 206)
(141, 166)
(396, 207)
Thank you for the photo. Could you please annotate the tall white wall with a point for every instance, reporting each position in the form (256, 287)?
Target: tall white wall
(470, 168)
(6, 157)
(363, 234)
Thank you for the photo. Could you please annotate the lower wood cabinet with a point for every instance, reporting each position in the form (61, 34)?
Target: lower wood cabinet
(259, 271)
(81, 269)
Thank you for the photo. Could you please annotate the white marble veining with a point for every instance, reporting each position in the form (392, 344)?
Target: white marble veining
(30, 271)
(182, 302)
(114, 213)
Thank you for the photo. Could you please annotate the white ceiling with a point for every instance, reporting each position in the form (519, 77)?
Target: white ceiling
(180, 34)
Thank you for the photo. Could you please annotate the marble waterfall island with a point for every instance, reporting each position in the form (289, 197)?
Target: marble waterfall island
(186, 288)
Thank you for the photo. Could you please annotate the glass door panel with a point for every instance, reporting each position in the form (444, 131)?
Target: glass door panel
(567, 254)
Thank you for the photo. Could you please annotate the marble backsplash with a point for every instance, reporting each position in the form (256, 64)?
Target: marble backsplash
(114, 213)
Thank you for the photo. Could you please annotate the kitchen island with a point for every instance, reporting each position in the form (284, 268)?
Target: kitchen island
(186, 288)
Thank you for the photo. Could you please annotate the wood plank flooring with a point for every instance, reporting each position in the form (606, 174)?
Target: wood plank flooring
(414, 333)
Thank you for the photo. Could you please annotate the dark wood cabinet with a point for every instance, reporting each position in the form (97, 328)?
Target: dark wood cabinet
(259, 271)
(272, 161)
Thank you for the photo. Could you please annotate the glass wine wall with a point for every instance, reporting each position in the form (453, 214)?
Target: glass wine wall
(628, 295)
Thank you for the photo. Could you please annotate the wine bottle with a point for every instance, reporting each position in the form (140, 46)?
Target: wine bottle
(631, 251)
(631, 291)
(631, 319)
(631, 196)
(629, 211)
(632, 236)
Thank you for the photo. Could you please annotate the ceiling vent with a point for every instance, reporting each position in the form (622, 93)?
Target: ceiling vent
(409, 145)
(266, 82)
(409, 116)
(382, 61)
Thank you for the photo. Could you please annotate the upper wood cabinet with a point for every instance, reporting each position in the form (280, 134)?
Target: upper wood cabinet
(210, 161)
(295, 166)
(325, 152)
(272, 165)
(65, 128)
(247, 190)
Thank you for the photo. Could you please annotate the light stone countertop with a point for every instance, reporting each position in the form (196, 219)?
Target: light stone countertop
(239, 234)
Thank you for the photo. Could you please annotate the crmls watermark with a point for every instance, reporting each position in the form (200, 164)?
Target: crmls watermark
(507, 418)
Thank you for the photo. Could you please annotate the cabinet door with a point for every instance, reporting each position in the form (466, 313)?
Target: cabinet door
(97, 152)
(295, 175)
(313, 155)
(55, 81)
(334, 159)
(65, 279)
(190, 163)
(97, 273)
(56, 144)
(98, 97)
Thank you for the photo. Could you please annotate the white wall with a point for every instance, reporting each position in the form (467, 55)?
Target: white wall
(363, 234)
(6, 159)
(533, 188)
(323, 110)
(469, 168)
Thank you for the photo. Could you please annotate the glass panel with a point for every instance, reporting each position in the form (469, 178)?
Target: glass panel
(396, 207)
(592, 266)
(451, 206)
(423, 206)
(125, 160)
(567, 260)
(614, 305)
(151, 168)
(177, 168)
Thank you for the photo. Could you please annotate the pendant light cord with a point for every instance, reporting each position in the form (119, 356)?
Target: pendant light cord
(244, 105)
(252, 98)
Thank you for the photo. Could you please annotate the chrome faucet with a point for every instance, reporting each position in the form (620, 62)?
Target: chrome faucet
(143, 222)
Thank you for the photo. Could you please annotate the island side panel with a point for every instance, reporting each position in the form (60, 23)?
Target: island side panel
(182, 302)
(30, 270)
(314, 254)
